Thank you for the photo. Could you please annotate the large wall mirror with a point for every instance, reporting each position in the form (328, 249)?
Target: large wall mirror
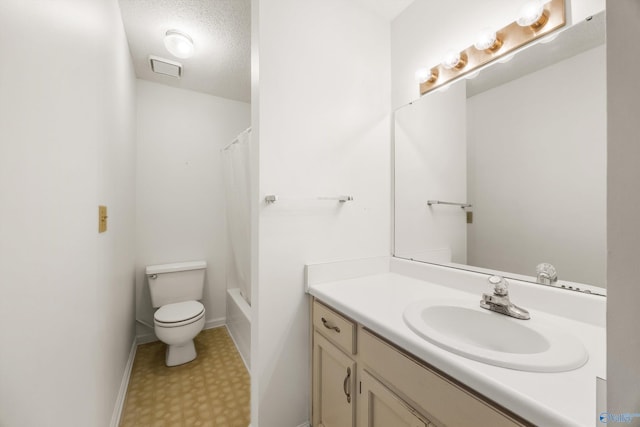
(523, 143)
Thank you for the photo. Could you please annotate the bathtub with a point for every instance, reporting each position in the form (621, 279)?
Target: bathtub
(239, 323)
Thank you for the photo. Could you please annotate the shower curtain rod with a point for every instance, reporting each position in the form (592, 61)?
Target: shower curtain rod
(235, 141)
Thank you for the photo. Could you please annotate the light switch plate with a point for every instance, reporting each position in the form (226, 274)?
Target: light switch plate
(102, 219)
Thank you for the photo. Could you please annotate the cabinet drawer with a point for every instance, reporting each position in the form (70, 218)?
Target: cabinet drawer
(441, 399)
(335, 327)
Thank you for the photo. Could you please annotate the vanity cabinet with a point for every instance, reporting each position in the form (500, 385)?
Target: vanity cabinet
(360, 379)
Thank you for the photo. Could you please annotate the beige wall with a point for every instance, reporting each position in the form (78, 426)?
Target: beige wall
(623, 232)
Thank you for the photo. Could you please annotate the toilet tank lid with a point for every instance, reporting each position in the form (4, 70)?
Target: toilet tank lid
(176, 266)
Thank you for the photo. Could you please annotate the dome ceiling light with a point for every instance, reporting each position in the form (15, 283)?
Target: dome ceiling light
(179, 44)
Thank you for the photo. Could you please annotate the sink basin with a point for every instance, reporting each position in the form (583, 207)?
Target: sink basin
(463, 328)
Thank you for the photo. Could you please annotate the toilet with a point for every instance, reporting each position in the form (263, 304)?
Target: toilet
(175, 290)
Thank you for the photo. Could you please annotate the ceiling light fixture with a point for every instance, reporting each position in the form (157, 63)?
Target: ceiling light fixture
(179, 44)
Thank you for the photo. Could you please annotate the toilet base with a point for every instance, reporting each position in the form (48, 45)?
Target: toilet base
(180, 354)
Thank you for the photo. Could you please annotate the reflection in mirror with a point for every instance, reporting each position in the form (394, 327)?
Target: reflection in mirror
(524, 144)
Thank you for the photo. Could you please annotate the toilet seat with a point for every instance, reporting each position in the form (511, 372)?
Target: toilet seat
(178, 314)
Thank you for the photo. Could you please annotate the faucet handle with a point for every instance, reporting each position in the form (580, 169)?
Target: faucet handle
(546, 273)
(500, 286)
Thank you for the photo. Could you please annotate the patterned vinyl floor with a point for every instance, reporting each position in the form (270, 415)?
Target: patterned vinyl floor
(211, 391)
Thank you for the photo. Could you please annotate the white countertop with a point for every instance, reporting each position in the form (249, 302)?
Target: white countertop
(377, 301)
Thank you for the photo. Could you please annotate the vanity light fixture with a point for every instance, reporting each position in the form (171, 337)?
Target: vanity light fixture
(537, 19)
(532, 14)
(179, 44)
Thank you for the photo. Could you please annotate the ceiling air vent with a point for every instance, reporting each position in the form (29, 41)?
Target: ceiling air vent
(165, 66)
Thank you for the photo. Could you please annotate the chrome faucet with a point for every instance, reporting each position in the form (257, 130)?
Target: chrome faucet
(546, 274)
(500, 302)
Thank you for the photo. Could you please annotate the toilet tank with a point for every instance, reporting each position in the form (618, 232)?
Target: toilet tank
(177, 282)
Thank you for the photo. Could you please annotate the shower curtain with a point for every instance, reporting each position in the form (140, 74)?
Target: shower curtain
(236, 160)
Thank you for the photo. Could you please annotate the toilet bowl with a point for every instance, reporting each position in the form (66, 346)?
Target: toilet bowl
(175, 290)
(177, 325)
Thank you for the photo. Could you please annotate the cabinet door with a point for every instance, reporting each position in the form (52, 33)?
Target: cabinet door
(379, 407)
(333, 381)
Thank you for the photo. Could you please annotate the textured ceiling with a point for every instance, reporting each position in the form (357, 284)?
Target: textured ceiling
(221, 32)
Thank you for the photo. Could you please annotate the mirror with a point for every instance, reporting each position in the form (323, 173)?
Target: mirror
(524, 143)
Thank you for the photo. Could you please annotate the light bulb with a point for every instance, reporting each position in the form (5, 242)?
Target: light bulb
(487, 39)
(178, 44)
(453, 59)
(531, 14)
(423, 75)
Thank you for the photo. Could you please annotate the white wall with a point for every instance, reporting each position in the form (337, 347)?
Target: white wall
(180, 194)
(426, 30)
(431, 164)
(66, 145)
(323, 128)
(539, 171)
(623, 232)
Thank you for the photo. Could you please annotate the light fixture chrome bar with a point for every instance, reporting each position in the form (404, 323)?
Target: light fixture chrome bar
(440, 202)
(272, 198)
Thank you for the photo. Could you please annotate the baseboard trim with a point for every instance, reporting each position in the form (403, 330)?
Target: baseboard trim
(146, 338)
(246, 365)
(122, 393)
(209, 324)
(215, 323)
